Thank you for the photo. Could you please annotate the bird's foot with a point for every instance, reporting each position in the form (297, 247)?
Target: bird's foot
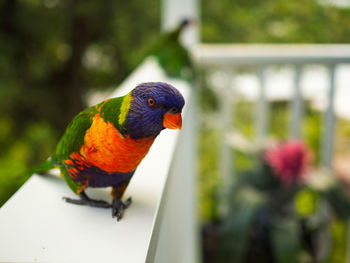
(118, 207)
(85, 200)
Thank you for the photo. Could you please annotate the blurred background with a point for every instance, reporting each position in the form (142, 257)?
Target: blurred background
(59, 56)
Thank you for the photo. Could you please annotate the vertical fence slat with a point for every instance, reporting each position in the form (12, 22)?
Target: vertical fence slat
(327, 139)
(225, 127)
(262, 106)
(226, 153)
(297, 105)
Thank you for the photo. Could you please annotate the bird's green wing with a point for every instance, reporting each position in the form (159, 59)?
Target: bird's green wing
(71, 142)
(73, 138)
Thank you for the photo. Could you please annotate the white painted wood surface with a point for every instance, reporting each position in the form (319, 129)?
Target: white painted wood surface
(297, 105)
(262, 108)
(178, 236)
(253, 54)
(329, 120)
(36, 225)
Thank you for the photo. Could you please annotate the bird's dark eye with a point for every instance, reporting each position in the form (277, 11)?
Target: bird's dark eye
(174, 110)
(151, 102)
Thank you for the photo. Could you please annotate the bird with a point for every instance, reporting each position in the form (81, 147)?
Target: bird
(104, 144)
(171, 55)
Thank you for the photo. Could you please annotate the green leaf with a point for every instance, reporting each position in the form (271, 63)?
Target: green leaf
(244, 205)
(305, 203)
(339, 242)
(286, 240)
(329, 188)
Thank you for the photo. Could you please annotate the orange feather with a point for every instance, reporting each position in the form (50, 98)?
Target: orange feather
(109, 150)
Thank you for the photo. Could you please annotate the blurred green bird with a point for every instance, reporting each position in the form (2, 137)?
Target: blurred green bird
(172, 56)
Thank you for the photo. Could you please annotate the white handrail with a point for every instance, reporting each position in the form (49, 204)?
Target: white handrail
(37, 226)
(255, 54)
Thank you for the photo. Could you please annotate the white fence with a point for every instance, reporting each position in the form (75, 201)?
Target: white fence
(230, 58)
(36, 225)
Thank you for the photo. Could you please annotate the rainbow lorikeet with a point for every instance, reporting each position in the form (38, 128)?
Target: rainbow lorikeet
(105, 143)
(171, 55)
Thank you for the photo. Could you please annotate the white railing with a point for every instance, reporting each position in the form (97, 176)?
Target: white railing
(232, 57)
(37, 226)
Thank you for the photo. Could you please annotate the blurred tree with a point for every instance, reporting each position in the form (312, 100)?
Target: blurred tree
(274, 21)
(54, 50)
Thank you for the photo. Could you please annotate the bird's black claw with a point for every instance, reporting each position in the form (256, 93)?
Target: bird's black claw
(128, 202)
(118, 207)
(73, 201)
(85, 200)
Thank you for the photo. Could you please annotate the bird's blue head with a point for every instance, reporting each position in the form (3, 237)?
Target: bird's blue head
(154, 107)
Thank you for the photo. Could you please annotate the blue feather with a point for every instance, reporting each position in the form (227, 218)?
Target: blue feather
(144, 120)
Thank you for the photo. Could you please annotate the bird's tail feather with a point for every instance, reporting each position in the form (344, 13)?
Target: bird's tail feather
(42, 168)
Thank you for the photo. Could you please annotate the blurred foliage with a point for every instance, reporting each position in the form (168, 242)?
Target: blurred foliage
(244, 122)
(319, 213)
(53, 51)
(35, 143)
(342, 139)
(209, 173)
(274, 21)
(279, 221)
(339, 237)
(244, 116)
(270, 21)
(279, 119)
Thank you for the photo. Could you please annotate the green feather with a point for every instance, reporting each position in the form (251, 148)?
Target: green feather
(73, 138)
(170, 54)
(124, 108)
(111, 111)
(40, 169)
(75, 186)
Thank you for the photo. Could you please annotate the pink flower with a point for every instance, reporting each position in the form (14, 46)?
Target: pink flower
(289, 161)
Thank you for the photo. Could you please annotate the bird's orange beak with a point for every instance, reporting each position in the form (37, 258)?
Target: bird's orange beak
(172, 121)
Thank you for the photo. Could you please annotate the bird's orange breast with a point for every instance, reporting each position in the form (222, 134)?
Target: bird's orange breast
(105, 147)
